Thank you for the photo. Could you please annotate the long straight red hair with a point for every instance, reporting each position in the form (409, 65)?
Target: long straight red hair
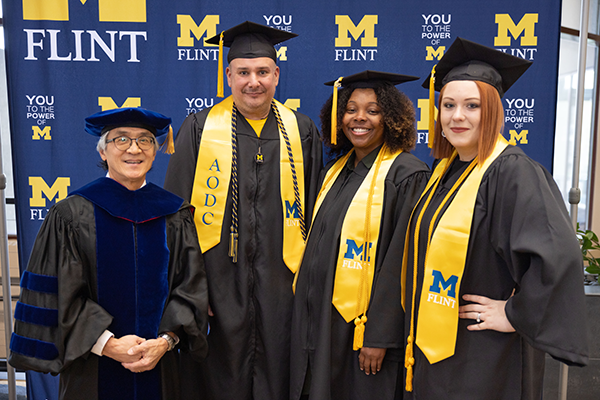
(491, 124)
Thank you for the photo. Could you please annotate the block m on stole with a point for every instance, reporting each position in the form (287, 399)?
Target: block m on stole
(292, 213)
(439, 283)
(356, 255)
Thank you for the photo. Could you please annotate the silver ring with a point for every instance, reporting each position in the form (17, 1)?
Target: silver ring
(478, 317)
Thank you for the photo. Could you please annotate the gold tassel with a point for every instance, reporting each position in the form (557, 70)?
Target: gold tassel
(233, 244)
(336, 85)
(359, 332)
(409, 361)
(168, 146)
(220, 90)
(431, 108)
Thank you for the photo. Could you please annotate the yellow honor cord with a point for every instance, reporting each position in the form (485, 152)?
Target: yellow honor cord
(359, 332)
(336, 85)
(431, 137)
(446, 249)
(330, 177)
(409, 359)
(220, 89)
(353, 279)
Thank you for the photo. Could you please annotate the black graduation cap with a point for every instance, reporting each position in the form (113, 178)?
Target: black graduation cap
(251, 40)
(467, 60)
(363, 80)
(373, 79)
(247, 40)
(97, 124)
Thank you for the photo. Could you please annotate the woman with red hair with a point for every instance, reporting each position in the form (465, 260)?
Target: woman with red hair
(492, 272)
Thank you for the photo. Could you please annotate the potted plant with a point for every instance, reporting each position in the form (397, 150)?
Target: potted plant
(589, 243)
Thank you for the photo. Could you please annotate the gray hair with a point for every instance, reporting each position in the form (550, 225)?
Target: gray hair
(101, 145)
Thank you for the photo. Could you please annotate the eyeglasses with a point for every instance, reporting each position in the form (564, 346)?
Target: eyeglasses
(123, 142)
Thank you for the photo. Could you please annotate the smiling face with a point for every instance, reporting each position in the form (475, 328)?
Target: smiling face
(363, 122)
(253, 82)
(460, 115)
(128, 167)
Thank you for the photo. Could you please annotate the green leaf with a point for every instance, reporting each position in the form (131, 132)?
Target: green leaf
(593, 269)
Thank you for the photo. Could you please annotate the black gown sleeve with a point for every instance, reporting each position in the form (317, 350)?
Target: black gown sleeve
(312, 150)
(56, 319)
(530, 229)
(186, 310)
(385, 317)
(182, 164)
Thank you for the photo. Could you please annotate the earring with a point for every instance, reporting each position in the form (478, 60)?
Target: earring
(443, 134)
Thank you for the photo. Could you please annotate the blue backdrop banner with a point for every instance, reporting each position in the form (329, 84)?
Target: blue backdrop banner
(67, 59)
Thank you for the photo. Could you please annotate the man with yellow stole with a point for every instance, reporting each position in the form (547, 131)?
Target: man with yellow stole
(249, 165)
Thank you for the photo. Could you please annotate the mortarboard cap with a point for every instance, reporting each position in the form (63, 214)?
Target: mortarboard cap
(97, 124)
(363, 80)
(470, 61)
(251, 40)
(373, 79)
(247, 40)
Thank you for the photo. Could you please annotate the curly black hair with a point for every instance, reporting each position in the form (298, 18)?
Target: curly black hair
(399, 131)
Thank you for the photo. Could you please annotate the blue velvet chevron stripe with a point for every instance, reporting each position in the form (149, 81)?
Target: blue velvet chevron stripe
(36, 315)
(136, 299)
(33, 347)
(39, 283)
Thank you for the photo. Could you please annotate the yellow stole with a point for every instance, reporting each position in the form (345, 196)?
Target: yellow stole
(358, 241)
(445, 258)
(213, 176)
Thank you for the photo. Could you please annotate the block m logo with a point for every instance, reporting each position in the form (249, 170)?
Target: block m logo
(366, 26)
(39, 133)
(439, 284)
(38, 186)
(423, 106)
(107, 103)
(521, 137)
(108, 10)
(187, 25)
(526, 26)
(291, 210)
(353, 251)
(433, 53)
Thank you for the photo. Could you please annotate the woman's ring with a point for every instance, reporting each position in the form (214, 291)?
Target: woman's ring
(478, 317)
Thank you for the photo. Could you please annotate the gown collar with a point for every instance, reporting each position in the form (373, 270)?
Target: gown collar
(144, 204)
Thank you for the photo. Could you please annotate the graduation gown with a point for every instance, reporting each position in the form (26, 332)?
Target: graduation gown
(252, 299)
(521, 239)
(321, 338)
(65, 306)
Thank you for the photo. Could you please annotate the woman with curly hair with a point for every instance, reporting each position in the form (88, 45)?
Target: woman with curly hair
(347, 323)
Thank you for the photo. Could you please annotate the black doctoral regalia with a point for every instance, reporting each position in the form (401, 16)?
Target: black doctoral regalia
(321, 338)
(251, 299)
(521, 239)
(107, 258)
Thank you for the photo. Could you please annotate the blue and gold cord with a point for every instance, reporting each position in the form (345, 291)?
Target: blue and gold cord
(233, 236)
(293, 167)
